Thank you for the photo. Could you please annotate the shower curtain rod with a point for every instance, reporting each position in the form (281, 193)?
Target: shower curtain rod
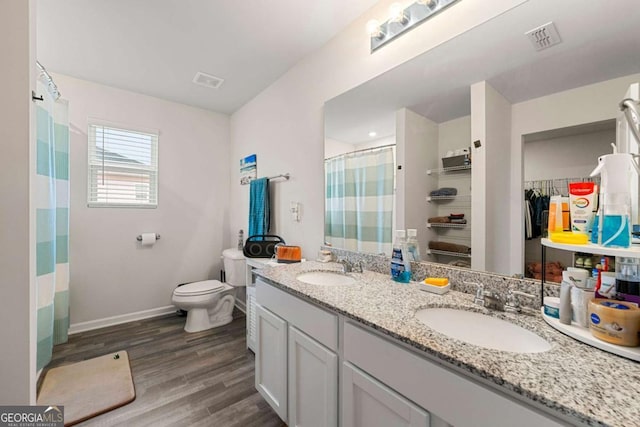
(53, 89)
(362, 150)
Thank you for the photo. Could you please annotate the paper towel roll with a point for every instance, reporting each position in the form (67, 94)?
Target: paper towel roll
(148, 239)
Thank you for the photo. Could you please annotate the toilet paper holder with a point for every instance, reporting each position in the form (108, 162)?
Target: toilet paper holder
(139, 238)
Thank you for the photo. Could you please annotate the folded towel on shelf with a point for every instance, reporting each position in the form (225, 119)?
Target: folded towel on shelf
(456, 216)
(444, 191)
(458, 221)
(439, 219)
(449, 247)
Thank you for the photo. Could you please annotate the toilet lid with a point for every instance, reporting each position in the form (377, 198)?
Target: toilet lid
(199, 288)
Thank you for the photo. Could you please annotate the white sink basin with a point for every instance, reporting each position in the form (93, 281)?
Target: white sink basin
(325, 278)
(482, 330)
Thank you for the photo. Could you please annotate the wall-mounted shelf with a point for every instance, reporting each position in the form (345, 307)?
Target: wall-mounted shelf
(439, 198)
(446, 170)
(447, 253)
(445, 225)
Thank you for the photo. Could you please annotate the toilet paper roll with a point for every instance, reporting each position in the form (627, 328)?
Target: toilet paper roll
(148, 239)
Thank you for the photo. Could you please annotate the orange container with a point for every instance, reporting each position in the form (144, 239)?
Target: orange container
(288, 254)
(559, 209)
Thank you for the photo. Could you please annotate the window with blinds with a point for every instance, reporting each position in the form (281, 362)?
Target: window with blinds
(123, 167)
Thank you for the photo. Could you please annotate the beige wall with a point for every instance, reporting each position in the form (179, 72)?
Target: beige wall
(284, 124)
(17, 259)
(111, 274)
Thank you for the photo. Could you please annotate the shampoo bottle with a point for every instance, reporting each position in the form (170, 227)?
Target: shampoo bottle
(400, 265)
(413, 248)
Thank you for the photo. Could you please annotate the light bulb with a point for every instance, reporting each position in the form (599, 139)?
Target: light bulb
(397, 14)
(374, 30)
(372, 134)
(429, 3)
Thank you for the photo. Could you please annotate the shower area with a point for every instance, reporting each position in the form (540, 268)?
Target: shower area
(51, 199)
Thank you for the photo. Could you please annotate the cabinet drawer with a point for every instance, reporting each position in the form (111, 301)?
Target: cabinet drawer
(322, 325)
(432, 386)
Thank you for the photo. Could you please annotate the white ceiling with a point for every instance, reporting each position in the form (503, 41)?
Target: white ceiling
(155, 47)
(599, 42)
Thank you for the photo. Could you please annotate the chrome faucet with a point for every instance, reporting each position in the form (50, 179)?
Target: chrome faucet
(511, 304)
(494, 301)
(347, 267)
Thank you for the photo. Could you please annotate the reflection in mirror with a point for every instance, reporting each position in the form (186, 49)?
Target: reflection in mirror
(359, 197)
(553, 107)
(552, 159)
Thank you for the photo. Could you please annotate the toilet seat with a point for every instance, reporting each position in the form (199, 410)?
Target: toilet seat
(204, 287)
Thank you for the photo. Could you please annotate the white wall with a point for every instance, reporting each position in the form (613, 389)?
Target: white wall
(586, 104)
(417, 142)
(111, 274)
(17, 239)
(284, 124)
(572, 156)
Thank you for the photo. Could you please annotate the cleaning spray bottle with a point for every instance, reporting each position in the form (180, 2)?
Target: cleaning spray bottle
(612, 227)
(400, 264)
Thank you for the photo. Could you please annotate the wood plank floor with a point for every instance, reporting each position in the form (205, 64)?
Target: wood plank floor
(198, 379)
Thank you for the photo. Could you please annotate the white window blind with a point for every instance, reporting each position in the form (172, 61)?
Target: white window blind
(123, 167)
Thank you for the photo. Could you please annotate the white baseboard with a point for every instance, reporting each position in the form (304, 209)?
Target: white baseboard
(75, 328)
(241, 306)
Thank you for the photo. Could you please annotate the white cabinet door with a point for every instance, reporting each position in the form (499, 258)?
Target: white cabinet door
(369, 403)
(271, 360)
(313, 382)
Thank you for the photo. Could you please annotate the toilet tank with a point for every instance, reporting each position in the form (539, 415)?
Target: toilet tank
(234, 267)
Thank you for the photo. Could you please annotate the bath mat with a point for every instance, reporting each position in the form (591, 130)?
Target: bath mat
(90, 387)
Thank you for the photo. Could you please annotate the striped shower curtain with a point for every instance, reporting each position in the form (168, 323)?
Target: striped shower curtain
(52, 223)
(359, 200)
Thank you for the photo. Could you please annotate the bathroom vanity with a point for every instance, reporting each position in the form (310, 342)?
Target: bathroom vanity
(355, 354)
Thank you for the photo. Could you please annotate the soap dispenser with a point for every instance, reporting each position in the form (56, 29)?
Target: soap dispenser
(612, 224)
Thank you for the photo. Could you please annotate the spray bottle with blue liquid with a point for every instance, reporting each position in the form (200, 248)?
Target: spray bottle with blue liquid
(612, 225)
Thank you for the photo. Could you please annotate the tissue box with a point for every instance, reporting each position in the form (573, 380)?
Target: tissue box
(453, 161)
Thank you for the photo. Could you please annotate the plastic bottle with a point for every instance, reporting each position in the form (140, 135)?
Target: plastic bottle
(400, 264)
(413, 248)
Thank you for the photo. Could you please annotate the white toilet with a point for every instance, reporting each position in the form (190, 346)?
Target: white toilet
(209, 303)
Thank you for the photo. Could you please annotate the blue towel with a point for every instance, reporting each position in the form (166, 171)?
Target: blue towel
(259, 209)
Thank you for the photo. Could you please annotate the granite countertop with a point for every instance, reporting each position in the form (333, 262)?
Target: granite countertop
(572, 379)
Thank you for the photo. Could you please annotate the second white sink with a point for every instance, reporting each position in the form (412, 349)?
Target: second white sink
(482, 330)
(325, 278)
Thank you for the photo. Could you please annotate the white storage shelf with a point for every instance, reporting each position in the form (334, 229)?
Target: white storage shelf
(447, 170)
(442, 198)
(445, 225)
(447, 253)
(632, 252)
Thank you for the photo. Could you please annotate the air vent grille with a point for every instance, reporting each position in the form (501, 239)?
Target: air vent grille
(544, 36)
(207, 80)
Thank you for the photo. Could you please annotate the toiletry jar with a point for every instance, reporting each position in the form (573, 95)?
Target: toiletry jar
(552, 307)
(616, 322)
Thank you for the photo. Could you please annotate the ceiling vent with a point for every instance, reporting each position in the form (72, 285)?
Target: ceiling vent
(207, 80)
(544, 36)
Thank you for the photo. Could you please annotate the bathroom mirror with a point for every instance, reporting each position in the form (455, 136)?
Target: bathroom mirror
(424, 107)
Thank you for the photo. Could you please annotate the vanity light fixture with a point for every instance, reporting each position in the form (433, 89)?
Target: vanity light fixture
(374, 30)
(402, 19)
(398, 14)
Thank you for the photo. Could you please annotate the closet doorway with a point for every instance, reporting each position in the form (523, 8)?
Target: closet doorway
(552, 159)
